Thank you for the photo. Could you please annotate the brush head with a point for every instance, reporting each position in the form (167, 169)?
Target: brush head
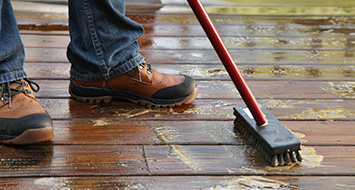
(274, 141)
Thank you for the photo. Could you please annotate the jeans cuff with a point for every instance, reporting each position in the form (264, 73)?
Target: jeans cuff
(115, 71)
(13, 76)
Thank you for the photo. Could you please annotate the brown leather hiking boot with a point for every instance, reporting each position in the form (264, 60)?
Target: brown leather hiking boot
(142, 85)
(22, 119)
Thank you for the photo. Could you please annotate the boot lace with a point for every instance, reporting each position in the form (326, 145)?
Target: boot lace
(140, 67)
(6, 92)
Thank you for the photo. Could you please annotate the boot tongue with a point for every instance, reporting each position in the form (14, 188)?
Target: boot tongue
(5, 97)
(142, 72)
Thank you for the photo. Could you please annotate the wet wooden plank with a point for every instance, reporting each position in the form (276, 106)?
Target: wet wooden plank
(238, 2)
(239, 160)
(250, 42)
(53, 22)
(181, 182)
(201, 109)
(201, 42)
(217, 89)
(53, 71)
(323, 132)
(113, 132)
(104, 132)
(196, 56)
(295, 10)
(49, 41)
(257, 56)
(225, 30)
(49, 160)
(332, 73)
(244, 19)
(193, 42)
(261, 30)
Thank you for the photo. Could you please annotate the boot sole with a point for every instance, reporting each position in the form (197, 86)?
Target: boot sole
(144, 102)
(32, 136)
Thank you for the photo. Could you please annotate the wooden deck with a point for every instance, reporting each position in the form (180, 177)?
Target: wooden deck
(297, 57)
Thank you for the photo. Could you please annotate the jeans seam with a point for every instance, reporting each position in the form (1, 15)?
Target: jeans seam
(17, 72)
(94, 37)
(15, 75)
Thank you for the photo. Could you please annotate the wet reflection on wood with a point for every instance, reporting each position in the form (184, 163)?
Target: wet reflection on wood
(297, 57)
(50, 160)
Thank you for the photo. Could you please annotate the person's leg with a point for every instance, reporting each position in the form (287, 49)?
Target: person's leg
(22, 119)
(103, 41)
(12, 53)
(106, 63)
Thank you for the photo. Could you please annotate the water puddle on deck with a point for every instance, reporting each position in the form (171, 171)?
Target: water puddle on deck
(135, 112)
(221, 133)
(310, 158)
(53, 183)
(99, 123)
(165, 134)
(272, 103)
(298, 72)
(68, 183)
(284, 71)
(315, 113)
(321, 109)
(209, 109)
(252, 182)
(199, 72)
(277, 10)
(183, 155)
(341, 90)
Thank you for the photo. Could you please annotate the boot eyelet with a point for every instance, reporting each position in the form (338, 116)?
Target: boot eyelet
(149, 72)
(27, 91)
(3, 99)
(141, 66)
(24, 83)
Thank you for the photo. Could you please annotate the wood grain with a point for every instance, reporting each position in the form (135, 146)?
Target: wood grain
(277, 71)
(48, 160)
(240, 160)
(159, 132)
(203, 56)
(201, 109)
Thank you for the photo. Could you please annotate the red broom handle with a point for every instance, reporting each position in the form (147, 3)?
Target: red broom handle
(227, 61)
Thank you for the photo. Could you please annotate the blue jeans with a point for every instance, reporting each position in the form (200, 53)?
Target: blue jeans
(103, 41)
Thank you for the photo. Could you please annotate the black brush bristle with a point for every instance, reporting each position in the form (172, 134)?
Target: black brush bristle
(276, 143)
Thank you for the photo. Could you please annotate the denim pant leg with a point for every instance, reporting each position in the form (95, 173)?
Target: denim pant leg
(12, 53)
(103, 40)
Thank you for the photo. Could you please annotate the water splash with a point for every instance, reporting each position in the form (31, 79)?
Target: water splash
(252, 182)
(99, 123)
(342, 90)
(178, 153)
(310, 158)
